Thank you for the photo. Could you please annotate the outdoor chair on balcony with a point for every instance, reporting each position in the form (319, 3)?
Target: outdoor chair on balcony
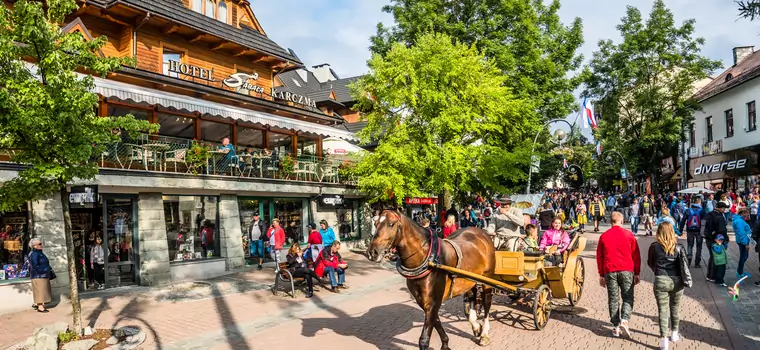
(247, 165)
(136, 153)
(271, 168)
(330, 173)
(306, 170)
(177, 157)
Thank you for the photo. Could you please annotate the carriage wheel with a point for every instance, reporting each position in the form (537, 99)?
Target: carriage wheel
(542, 307)
(577, 288)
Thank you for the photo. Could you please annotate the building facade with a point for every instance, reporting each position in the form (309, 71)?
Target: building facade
(723, 142)
(231, 143)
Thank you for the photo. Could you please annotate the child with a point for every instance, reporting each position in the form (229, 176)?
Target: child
(531, 241)
(719, 260)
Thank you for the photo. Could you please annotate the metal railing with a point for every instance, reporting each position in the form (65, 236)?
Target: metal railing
(173, 155)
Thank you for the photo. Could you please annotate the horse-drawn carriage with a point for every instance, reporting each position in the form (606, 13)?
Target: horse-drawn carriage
(524, 277)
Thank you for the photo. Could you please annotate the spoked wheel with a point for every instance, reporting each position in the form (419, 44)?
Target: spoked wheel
(576, 291)
(542, 307)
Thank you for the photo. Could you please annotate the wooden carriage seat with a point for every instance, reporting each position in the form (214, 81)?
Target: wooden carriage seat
(510, 263)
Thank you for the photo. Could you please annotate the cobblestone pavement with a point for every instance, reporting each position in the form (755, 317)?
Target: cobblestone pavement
(235, 312)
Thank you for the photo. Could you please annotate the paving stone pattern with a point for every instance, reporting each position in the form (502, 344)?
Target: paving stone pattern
(238, 312)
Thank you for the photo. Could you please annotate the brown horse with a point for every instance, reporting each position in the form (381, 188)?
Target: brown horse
(430, 287)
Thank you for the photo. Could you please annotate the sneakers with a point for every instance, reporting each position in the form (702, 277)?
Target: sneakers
(342, 286)
(664, 344)
(709, 280)
(616, 332)
(722, 284)
(738, 276)
(259, 268)
(757, 283)
(696, 266)
(674, 337)
(624, 326)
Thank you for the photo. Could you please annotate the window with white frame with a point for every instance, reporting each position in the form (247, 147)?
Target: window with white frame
(222, 13)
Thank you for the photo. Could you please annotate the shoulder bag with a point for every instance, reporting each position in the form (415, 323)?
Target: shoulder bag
(684, 264)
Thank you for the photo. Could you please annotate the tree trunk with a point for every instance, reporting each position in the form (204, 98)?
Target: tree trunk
(444, 203)
(76, 307)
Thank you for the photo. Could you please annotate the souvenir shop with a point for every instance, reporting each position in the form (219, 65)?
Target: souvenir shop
(342, 214)
(14, 244)
(109, 218)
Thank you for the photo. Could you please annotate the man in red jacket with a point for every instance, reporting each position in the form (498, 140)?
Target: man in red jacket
(619, 262)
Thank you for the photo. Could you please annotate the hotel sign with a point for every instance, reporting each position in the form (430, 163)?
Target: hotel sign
(295, 98)
(193, 71)
(241, 83)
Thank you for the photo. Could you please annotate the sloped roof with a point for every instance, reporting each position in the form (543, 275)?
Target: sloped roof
(175, 10)
(744, 71)
(314, 89)
(340, 86)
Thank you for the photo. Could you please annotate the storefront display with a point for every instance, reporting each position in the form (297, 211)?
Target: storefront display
(14, 239)
(192, 227)
(290, 212)
(248, 207)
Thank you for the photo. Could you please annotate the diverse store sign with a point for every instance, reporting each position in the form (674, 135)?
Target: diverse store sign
(193, 71)
(421, 201)
(720, 166)
(83, 195)
(333, 200)
(295, 98)
(241, 83)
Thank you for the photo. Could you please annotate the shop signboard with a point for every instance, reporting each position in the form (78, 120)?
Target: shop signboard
(241, 82)
(191, 70)
(83, 195)
(333, 200)
(666, 165)
(421, 201)
(295, 98)
(734, 164)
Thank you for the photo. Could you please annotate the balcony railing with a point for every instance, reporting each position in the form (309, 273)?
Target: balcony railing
(161, 154)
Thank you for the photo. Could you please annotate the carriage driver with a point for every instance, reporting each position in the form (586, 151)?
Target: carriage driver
(505, 225)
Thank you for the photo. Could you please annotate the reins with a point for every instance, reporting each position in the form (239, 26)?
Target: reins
(434, 251)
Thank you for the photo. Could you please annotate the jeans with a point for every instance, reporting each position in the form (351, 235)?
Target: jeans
(257, 248)
(694, 238)
(634, 224)
(668, 292)
(335, 281)
(619, 286)
(743, 256)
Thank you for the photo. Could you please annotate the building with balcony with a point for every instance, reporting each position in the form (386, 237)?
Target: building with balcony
(723, 142)
(209, 75)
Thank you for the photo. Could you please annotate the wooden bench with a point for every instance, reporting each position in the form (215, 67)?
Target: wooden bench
(283, 275)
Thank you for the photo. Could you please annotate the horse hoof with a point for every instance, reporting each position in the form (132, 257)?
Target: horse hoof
(485, 341)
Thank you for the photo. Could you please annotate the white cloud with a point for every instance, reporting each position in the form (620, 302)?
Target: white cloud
(324, 31)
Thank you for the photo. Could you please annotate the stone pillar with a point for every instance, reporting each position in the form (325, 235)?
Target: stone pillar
(153, 245)
(48, 226)
(230, 233)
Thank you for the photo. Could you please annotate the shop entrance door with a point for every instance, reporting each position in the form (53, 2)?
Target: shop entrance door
(120, 218)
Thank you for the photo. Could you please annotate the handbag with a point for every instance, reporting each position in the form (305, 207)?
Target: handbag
(684, 264)
(52, 275)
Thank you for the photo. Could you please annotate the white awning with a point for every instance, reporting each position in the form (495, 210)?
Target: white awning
(123, 91)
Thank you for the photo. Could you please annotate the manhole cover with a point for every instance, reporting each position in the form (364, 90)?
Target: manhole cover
(570, 310)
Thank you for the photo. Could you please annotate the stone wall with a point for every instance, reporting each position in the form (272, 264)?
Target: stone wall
(230, 232)
(153, 244)
(48, 226)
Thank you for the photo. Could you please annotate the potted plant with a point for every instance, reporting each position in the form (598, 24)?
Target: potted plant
(197, 157)
(287, 165)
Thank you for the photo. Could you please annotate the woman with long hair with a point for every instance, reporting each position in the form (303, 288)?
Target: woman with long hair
(666, 258)
(450, 226)
(665, 217)
(299, 268)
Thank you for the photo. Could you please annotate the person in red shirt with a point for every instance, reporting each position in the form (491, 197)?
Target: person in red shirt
(619, 262)
(449, 226)
(314, 246)
(276, 236)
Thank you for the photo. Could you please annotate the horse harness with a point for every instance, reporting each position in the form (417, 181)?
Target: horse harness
(434, 254)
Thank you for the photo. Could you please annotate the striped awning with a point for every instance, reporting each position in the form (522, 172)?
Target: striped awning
(138, 94)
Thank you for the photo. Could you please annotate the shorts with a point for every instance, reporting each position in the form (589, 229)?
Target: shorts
(257, 248)
(646, 219)
(598, 217)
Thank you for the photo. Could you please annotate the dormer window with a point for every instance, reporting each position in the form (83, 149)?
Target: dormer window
(729, 76)
(216, 9)
(210, 8)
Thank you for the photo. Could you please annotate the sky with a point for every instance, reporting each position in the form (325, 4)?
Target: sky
(338, 31)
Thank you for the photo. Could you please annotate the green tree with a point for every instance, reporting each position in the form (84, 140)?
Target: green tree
(434, 102)
(47, 110)
(525, 39)
(644, 86)
(749, 9)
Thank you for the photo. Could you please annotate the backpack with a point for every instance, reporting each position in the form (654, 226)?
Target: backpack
(694, 222)
(487, 212)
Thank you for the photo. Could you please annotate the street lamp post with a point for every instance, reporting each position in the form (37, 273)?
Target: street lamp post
(575, 169)
(560, 136)
(608, 159)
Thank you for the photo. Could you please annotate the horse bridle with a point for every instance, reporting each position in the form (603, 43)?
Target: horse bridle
(419, 271)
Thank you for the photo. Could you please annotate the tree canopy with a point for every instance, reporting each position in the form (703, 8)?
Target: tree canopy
(47, 110)
(435, 103)
(525, 39)
(644, 85)
(749, 9)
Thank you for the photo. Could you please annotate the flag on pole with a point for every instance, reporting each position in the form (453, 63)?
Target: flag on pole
(564, 163)
(588, 115)
(599, 148)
